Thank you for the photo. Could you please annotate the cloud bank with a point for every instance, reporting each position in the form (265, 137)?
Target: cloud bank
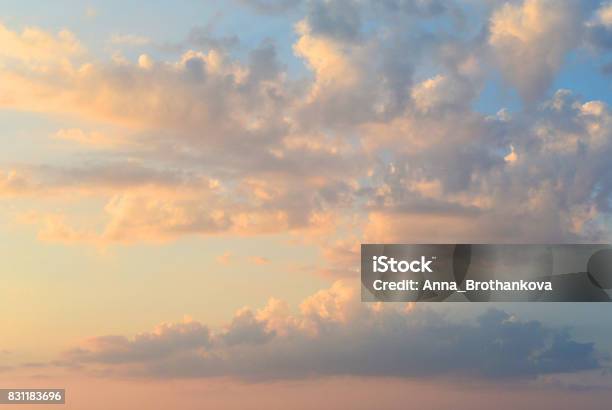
(377, 140)
(334, 334)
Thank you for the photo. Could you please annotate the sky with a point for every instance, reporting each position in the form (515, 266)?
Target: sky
(184, 188)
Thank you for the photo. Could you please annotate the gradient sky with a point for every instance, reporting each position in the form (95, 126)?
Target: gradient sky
(184, 188)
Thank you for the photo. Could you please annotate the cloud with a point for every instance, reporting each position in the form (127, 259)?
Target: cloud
(530, 41)
(334, 334)
(603, 15)
(380, 140)
(36, 47)
(439, 92)
(599, 28)
(202, 37)
(546, 192)
(166, 340)
(377, 139)
(92, 178)
(157, 205)
(245, 328)
(335, 19)
(354, 81)
(326, 58)
(186, 97)
(203, 109)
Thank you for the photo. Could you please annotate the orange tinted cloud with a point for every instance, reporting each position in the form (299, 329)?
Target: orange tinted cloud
(274, 344)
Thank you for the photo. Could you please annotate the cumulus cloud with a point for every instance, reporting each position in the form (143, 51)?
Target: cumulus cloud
(241, 134)
(160, 204)
(438, 92)
(380, 140)
(377, 139)
(37, 47)
(604, 14)
(599, 28)
(245, 328)
(336, 19)
(334, 334)
(532, 168)
(531, 39)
